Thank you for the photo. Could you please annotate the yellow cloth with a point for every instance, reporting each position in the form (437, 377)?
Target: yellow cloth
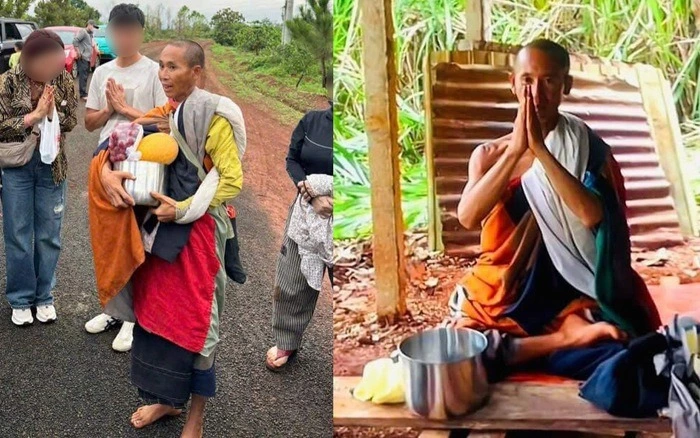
(222, 150)
(382, 383)
(14, 59)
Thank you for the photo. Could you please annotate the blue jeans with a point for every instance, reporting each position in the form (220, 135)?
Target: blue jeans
(32, 208)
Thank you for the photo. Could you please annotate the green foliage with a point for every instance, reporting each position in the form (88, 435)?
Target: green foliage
(64, 13)
(257, 36)
(313, 29)
(225, 24)
(14, 8)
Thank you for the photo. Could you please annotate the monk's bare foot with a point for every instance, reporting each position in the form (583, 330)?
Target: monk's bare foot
(580, 333)
(193, 429)
(146, 415)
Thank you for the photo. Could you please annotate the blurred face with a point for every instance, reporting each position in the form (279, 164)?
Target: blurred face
(90, 28)
(178, 78)
(548, 81)
(47, 66)
(126, 39)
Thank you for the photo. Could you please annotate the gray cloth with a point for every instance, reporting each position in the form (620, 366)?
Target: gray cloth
(312, 233)
(121, 307)
(294, 301)
(83, 44)
(676, 363)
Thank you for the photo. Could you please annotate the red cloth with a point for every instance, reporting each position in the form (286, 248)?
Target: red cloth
(174, 300)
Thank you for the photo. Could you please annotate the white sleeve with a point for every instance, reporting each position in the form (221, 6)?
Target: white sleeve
(96, 99)
(159, 97)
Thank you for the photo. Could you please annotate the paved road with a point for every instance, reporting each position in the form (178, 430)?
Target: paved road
(59, 381)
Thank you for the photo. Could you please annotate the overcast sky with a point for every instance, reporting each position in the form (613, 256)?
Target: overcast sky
(251, 9)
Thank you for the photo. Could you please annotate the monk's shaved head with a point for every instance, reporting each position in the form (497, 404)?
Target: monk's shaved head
(194, 53)
(554, 51)
(542, 66)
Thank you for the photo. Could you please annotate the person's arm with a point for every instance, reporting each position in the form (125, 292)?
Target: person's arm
(486, 184)
(294, 167)
(79, 37)
(11, 126)
(221, 148)
(96, 119)
(488, 181)
(159, 96)
(97, 109)
(68, 113)
(581, 201)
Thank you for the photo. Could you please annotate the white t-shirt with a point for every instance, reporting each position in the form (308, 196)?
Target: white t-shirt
(142, 89)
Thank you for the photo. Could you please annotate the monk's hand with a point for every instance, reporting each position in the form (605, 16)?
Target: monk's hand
(166, 210)
(164, 127)
(535, 139)
(323, 206)
(519, 143)
(455, 322)
(112, 182)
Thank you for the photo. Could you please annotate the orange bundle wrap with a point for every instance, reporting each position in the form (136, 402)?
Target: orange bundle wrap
(114, 234)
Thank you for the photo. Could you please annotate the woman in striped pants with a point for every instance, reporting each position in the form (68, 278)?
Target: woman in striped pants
(310, 153)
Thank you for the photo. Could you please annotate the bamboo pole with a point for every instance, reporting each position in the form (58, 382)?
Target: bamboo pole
(385, 178)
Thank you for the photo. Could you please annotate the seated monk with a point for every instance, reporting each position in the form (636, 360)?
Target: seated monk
(554, 275)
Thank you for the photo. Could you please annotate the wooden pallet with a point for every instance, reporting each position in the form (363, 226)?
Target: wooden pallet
(512, 406)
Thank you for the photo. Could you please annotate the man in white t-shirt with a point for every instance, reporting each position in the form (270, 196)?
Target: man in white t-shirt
(121, 91)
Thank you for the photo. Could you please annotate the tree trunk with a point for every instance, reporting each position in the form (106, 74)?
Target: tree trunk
(381, 122)
(323, 72)
(299, 81)
(288, 15)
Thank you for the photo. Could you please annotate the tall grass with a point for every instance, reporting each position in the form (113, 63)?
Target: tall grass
(658, 32)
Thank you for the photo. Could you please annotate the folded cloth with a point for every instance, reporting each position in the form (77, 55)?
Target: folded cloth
(381, 382)
(626, 384)
(114, 235)
(677, 363)
(312, 233)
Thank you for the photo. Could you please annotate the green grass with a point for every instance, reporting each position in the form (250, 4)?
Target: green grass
(262, 85)
(311, 83)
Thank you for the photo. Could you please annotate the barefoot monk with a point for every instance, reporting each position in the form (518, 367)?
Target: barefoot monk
(555, 272)
(175, 258)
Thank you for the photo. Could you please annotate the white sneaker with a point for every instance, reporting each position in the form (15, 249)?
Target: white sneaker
(100, 323)
(46, 314)
(122, 343)
(22, 317)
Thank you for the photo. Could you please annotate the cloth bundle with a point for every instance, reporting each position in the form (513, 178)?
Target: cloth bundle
(682, 364)
(312, 233)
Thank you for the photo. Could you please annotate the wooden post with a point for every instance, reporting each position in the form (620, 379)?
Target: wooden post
(385, 177)
(478, 15)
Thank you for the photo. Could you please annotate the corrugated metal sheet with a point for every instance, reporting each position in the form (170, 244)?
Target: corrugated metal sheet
(472, 104)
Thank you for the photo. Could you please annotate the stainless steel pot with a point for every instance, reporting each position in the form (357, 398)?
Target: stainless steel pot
(444, 375)
(150, 177)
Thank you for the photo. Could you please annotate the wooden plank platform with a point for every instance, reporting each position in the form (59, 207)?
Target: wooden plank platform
(512, 406)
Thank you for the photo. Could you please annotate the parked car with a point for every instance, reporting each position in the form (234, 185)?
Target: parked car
(106, 52)
(12, 31)
(67, 34)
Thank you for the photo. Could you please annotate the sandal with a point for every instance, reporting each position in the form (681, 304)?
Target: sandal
(277, 359)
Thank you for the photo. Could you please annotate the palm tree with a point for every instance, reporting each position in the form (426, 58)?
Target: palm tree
(313, 29)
